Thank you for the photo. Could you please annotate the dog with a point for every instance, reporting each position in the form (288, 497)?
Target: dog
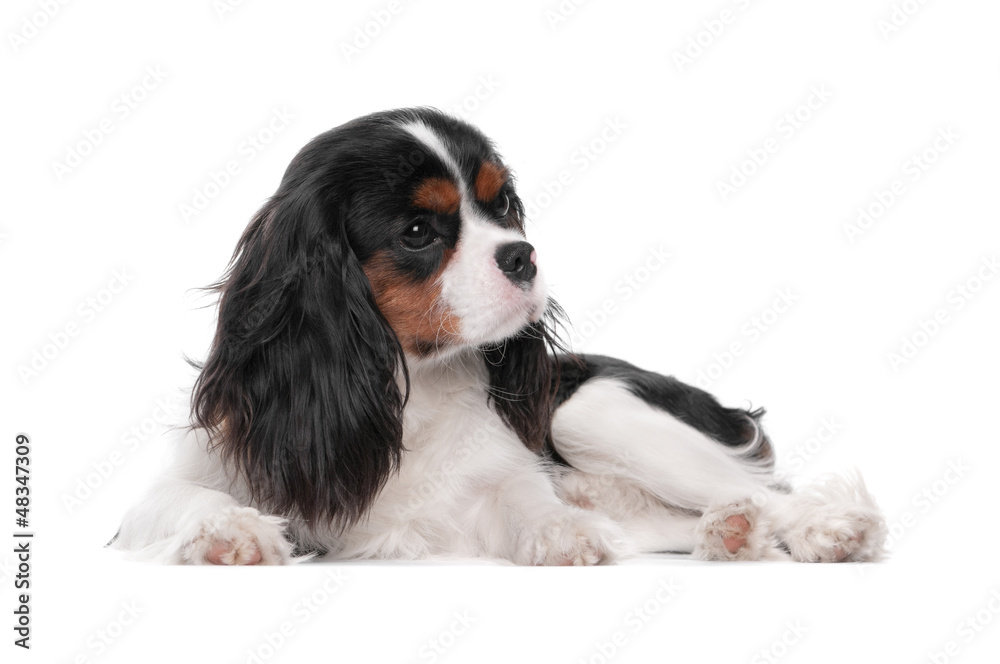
(386, 382)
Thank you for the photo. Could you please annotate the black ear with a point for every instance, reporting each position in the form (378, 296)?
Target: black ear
(301, 390)
(524, 379)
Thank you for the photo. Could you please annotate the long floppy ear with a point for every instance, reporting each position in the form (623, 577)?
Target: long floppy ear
(301, 390)
(524, 379)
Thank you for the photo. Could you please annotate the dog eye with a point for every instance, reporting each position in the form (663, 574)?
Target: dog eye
(418, 235)
(502, 204)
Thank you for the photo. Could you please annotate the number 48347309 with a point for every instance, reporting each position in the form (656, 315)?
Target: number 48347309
(22, 500)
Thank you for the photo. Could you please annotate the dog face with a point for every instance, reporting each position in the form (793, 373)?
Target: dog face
(433, 216)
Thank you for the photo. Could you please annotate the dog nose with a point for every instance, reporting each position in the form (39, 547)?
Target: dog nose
(517, 261)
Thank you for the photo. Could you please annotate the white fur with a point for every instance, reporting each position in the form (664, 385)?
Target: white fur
(488, 306)
(435, 143)
(247, 534)
(834, 519)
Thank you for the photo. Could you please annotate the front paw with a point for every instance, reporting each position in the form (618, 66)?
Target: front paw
(571, 537)
(238, 536)
(735, 530)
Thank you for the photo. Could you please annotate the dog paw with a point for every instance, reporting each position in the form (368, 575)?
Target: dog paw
(837, 520)
(573, 537)
(238, 536)
(733, 531)
(822, 543)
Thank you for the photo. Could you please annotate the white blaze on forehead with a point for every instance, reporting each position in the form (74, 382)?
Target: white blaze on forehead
(433, 142)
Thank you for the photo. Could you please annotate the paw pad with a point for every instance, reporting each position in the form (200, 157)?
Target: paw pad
(226, 553)
(737, 537)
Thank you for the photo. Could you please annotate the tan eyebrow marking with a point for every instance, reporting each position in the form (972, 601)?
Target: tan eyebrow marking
(438, 195)
(489, 181)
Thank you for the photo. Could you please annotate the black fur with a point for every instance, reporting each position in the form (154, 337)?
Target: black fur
(733, 427)
(523, 380)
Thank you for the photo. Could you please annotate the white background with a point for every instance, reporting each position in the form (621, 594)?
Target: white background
(551, 87)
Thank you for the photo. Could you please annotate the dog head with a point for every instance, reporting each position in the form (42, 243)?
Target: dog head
(394, 239)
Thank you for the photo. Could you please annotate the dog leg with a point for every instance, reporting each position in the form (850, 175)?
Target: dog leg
(528, 524)
(184, 523)
(649, 524)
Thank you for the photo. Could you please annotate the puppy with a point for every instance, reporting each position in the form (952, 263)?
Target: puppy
(385, 382)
